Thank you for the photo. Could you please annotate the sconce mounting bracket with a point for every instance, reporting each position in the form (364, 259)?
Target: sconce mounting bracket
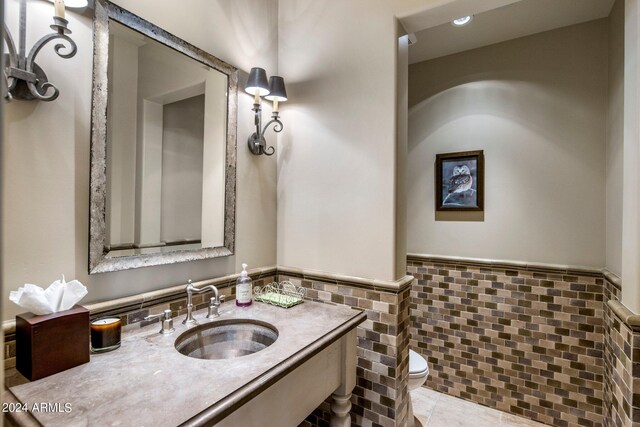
(22, 78)
(257, 143)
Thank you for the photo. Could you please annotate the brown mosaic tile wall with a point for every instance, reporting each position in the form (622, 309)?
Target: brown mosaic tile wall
(404, 336)
(380, 397)
(522, 341)
(622, 364)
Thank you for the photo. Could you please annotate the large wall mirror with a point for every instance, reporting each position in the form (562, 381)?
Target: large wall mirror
(163, 147)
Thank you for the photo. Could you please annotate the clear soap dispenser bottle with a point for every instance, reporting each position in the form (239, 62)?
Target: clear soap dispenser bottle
(244, 288)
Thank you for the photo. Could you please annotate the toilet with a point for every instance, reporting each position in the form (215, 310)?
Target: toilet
(418, 372)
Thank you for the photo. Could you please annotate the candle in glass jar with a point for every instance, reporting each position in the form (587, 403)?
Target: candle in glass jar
(105, 334)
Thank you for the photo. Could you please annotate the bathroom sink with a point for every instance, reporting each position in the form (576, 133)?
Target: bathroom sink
(226, 339)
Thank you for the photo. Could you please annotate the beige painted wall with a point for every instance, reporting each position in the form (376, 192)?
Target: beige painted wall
(631, 160)
(615, 140)
(402, 122)
(537, 107)
(45, 159)
(336, 155)
(338, 200)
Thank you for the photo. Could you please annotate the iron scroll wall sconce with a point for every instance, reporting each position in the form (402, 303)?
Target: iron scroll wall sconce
(273, 91)
(24, 79)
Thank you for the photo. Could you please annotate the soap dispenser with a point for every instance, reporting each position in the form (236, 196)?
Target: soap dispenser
(244, 288)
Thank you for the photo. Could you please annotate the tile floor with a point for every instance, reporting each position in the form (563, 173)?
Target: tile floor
(435, 409)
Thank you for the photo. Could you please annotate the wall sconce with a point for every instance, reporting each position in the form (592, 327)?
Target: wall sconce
(274, 91)
(24, 79)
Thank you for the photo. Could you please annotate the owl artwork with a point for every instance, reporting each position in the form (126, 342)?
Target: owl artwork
(458, 185)
(460, 181)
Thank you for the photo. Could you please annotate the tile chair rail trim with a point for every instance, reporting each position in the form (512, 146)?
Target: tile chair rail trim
(520, 265)
(625, 315)
(395, 286)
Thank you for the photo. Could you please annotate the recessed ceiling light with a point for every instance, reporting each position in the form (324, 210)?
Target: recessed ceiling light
(462, 21)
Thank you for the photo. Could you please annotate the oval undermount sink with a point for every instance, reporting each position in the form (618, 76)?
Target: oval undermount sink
(226, 339)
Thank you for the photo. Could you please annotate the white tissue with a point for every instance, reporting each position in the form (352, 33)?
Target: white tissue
(59, 296)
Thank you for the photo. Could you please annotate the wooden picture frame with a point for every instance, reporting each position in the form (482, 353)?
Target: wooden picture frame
(460, 181)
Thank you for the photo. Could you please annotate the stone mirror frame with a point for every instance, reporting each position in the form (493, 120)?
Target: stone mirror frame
(99, 244)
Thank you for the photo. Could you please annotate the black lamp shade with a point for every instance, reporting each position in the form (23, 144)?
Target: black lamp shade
(257, 82)
(277, 91)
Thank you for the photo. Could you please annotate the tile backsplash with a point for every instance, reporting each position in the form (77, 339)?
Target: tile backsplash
(132, 315)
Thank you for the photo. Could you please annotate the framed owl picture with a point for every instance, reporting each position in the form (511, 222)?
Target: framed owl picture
(460, 181)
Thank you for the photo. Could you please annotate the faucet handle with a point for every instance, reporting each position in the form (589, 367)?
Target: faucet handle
(167, 321)
(214, 305)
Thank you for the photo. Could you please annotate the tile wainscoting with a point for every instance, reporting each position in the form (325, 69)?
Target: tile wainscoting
(520, 338)
(622, 359)
(380, 397)
(551, 343)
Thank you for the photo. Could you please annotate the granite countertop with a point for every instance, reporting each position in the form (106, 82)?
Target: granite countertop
(146, 382)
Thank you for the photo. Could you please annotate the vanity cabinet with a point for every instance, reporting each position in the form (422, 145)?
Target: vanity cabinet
(147, 381)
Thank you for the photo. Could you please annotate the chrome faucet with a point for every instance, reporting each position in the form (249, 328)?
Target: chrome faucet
(214, 302)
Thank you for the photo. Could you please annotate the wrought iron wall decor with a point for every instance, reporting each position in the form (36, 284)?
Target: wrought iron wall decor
(24, 79)
(273, 91)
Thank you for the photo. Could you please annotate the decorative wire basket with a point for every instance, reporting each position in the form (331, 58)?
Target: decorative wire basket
(284, 294)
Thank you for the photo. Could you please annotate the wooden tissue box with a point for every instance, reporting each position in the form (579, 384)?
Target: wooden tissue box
(51, 343)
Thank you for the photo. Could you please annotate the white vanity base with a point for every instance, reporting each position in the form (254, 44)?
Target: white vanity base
(290, 400)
